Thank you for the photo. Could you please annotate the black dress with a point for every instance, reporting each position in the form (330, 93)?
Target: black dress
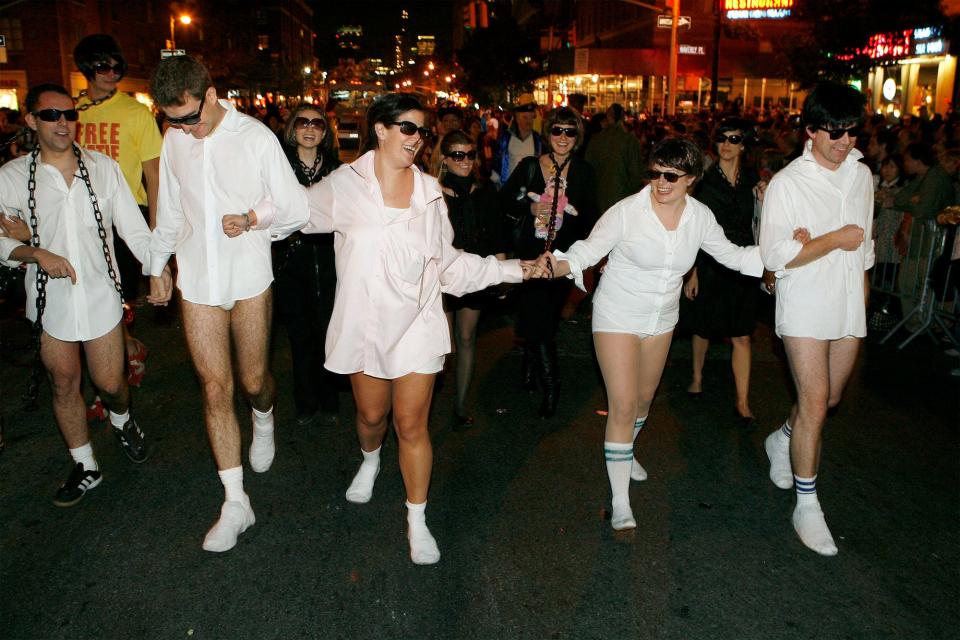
(477, 228)
(726, 303)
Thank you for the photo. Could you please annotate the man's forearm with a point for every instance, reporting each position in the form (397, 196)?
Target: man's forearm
(813, 250)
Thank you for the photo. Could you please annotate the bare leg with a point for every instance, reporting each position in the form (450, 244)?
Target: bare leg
(466, 339)
(373, 397)
(740, 363)
(107, 366)
(411, 408)
(250, 327)
(62, 362)
(700, 346)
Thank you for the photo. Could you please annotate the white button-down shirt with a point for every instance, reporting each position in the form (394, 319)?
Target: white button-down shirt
(388, 317)
(67, 227)
(641, 283)
(823, 299)
(237, 167)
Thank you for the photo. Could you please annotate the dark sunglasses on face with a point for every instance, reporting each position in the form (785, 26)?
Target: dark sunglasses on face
(191, 119)
(836, 134)
(460, 155)
(408, 128)
(105, 67)
(721, 138)
(53, 115)
(570, 132)
(303, 123)
(669, 176)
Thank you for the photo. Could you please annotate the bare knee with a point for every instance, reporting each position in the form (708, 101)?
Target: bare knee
(371, 418)
(217, 393)
(411, 431)
(813, 407)
(64, 383)
(741, 342)
(466, 339)
(834, 400)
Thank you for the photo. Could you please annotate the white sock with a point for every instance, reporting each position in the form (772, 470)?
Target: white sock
(808, 520)
(637, 472)
(777, 446)
(361, 489)
(262, 449)
(84, 455)
(619, 456)
(119, 419)
(236, 515)
(423, 548)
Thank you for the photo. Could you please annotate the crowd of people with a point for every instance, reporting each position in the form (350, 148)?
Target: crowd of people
(378, 267)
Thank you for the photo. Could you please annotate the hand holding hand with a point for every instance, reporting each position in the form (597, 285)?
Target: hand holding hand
(769, 281)
(849, 237)
(15, 228)
(161, 289)
(531, 269)
(801, 235)
(692, 286)
(55, 266)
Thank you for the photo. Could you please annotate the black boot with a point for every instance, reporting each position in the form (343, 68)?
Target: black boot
(550, 377)
(528, 368)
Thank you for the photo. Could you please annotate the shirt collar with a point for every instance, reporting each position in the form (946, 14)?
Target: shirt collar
(852, 158)
(231, 119)
(425, 190)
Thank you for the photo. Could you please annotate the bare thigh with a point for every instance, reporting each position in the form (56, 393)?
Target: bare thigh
(207, 330)
(250, 325)
(106, 362)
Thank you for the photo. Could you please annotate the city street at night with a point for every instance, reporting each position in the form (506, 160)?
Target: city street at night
(517, 505)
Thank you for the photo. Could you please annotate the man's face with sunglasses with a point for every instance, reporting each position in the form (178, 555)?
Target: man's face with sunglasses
(193, 116)
(55, 121)
(831, 144)
(106, 76)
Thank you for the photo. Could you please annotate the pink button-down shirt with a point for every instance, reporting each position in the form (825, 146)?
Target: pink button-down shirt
(388, 316)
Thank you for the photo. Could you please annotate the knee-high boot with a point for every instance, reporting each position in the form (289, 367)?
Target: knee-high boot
(550, 377)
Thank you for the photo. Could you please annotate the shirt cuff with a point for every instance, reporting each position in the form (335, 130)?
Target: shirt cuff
(265, 214)
(157, 263)
(576, 273)
(510, 271)
(752, 265)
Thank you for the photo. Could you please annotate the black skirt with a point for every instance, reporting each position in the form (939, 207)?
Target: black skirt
(726, 302)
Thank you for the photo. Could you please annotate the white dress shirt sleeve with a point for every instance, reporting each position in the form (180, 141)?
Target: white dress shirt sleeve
(285, 209)
(129, 222)
(320, 202)
(777, 246)
(746, 260)
(606, 234)
(868, 243)
(7, 206)
(170, 217)
(462, 272)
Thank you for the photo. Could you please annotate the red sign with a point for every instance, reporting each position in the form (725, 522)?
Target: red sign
(750, 5)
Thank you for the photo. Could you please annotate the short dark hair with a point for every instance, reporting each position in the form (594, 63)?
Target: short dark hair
(832, 105)
(450, 111)
(177, 76)
(921, 152)
(458, 136)
(678, 153)
(617, 109)
(33, 96)
(734, 123)
(95, 48)
(564, 115)
(385, 110)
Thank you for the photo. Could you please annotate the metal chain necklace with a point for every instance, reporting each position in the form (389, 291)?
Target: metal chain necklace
(311, 172)
(557, 171)
(93, 103)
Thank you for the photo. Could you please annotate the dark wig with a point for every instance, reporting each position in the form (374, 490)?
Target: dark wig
(678, 153)
(385, 110)
(98, 47)
(833, 105)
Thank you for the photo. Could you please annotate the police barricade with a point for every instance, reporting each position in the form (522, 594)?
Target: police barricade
(922, 285)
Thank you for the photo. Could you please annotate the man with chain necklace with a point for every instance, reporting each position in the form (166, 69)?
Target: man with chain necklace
(71, 199)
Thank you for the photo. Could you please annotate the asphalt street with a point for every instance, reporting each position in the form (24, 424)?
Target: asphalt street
(518, 506)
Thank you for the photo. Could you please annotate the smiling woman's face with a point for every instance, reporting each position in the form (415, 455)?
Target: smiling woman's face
(665, 192)
(397, 147)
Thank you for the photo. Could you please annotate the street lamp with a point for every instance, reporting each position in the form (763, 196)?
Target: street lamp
(184, 19)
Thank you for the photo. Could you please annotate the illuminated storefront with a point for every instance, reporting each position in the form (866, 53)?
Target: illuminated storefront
(914, 74)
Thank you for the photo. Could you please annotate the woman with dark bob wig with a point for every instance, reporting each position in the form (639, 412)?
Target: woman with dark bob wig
(388, 332)
(552, 201)
(652, 239)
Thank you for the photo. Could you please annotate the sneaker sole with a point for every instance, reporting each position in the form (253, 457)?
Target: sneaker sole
(61, 503)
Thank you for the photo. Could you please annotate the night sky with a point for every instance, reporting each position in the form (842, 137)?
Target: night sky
(380, 21)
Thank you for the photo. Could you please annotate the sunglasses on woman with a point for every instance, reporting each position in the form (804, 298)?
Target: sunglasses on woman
(836, 134)
(669, 176)
(459, 156)
(570, 132)
(53, 115)
(191, 119)
(303, 123)
(734, 139)
(105, 68)
(408, 128)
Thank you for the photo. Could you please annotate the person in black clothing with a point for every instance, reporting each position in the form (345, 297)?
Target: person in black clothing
(724, 302)
(306, 276)
(474, 213)
(551, 203)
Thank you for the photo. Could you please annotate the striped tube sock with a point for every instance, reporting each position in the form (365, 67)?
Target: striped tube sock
(637, 472)
(619, 456)
(786, 430)
(808, 520)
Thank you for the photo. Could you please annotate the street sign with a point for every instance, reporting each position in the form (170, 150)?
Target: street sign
(170, 53)
(665, 21)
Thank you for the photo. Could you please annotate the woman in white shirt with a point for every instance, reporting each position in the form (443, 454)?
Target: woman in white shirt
(652, 239)
(388, 332)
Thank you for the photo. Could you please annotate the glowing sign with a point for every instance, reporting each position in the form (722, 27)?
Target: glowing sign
(756, 9)
(889, 88)
(898, 45)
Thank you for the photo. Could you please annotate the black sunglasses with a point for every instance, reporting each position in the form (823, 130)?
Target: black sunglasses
(460, 155)
(408, 128)
(53, 115)
(734, 139)
(570, 132)
(191, 119)
(106, 67)
(303, 123)
(669, 176)
(836, 134)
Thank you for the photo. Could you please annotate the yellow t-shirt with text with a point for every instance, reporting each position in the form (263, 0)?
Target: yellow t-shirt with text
(125, 130)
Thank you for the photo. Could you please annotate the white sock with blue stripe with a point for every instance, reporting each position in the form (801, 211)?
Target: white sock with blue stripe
(619, 456)
(808, 520)
(637, 472)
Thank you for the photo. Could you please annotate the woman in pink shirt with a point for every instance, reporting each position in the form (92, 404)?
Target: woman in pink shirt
(388, 332)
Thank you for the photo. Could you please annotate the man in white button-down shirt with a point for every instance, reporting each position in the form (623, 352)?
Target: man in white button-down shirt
(822, 287)
(69, 200)
(226, 191)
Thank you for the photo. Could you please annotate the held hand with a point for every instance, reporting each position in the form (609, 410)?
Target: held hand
(161, 289)
(769, 281)
(15, 228)
(530, 269)
(692, 287)
(548, 263)
(55, 266)
(801, 235)
(848, 237)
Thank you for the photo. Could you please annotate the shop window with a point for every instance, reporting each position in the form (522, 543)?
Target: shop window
(11, 28)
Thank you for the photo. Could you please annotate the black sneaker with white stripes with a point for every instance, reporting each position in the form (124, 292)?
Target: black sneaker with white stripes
(76, 486)
(132, 441)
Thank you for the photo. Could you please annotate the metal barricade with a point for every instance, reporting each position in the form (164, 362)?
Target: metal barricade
(923, 282)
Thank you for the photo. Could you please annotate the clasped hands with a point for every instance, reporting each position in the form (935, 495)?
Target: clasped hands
(236, 223)
(543, 267)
